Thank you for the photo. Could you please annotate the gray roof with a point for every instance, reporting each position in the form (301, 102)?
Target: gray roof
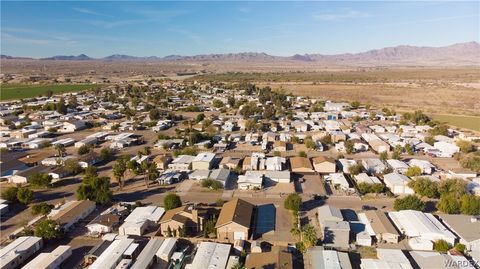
(148, 253)
(328, 212)
(327, 259)
(221, 174)
(467, 227)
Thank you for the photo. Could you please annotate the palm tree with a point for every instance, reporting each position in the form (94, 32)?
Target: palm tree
(144, 166)
(237, 266)
(60, 149)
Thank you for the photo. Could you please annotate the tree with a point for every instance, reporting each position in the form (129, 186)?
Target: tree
(460, 247)
(95, 189)
(448, 203)
(47, 229)
(72, 166)
(302, 154)
(309, 143)
(441, 246)
(326, 140)
(40, 180)
(106, 154)
(89, 173)
(149, 171)
(154, 114)
(10, 194)
(217, 103)
(182, 232)
(61, 107)
(147, 151)
(41, 208)
(465, 146)
(413, 171)
(72, 101)
(409, 202)
(383, 156)
(60, 149)
(425, 187)
(364, 187)
(430, 140)
(209, 228)
(211, 184)
(309, 236)
(171, 201)
(355, 169)
(24, 195)
(354, 104)
(408, 149)
(119, 169)
(455, 186)
(83, 150)
(377, 188)
(237, 266)
(293, 202)
(349, 146)
(439, 130)
(470, 204)
(397, 152)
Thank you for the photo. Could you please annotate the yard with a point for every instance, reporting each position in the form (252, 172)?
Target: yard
(20, 91)
(467, 122)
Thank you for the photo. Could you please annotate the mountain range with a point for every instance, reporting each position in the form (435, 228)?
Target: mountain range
(456, 54)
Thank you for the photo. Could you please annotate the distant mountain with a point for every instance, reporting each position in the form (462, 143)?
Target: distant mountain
(304, 58)
(3, 56)
(81, 57)
(122, 57)
(457, 54)
(462, 53)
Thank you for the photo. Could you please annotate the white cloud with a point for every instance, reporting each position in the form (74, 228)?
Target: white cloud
(89, 11)
(339, 16)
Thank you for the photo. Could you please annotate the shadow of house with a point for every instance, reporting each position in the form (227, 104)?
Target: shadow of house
(349, 215)
(265, 220)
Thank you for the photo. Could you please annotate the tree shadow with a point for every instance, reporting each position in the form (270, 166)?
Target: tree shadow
(140, 195)
(45, 195)
(312, 204)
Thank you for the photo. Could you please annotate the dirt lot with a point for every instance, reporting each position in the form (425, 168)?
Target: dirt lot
(433, 97)
(313, 184)
(283, 224)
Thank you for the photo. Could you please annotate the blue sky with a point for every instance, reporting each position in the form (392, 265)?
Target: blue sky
(98, 29)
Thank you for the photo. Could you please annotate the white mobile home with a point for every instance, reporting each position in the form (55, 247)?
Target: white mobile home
(18, 251)
(50, 260)
(397, 183)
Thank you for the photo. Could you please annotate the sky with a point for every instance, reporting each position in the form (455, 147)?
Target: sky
(160, 28)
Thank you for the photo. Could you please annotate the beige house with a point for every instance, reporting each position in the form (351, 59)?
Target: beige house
(203, 161)
(235, 220)
(280, 146)
(247, 163)
(300, 164)
(338, 136)
(162, 161)
(230, 162)
(379, 146)
(278, 258)
(324, 165)
(383, 228)
(184, 217)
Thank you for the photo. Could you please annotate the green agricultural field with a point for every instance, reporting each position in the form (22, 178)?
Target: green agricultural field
(20, 91)
(467, 122)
